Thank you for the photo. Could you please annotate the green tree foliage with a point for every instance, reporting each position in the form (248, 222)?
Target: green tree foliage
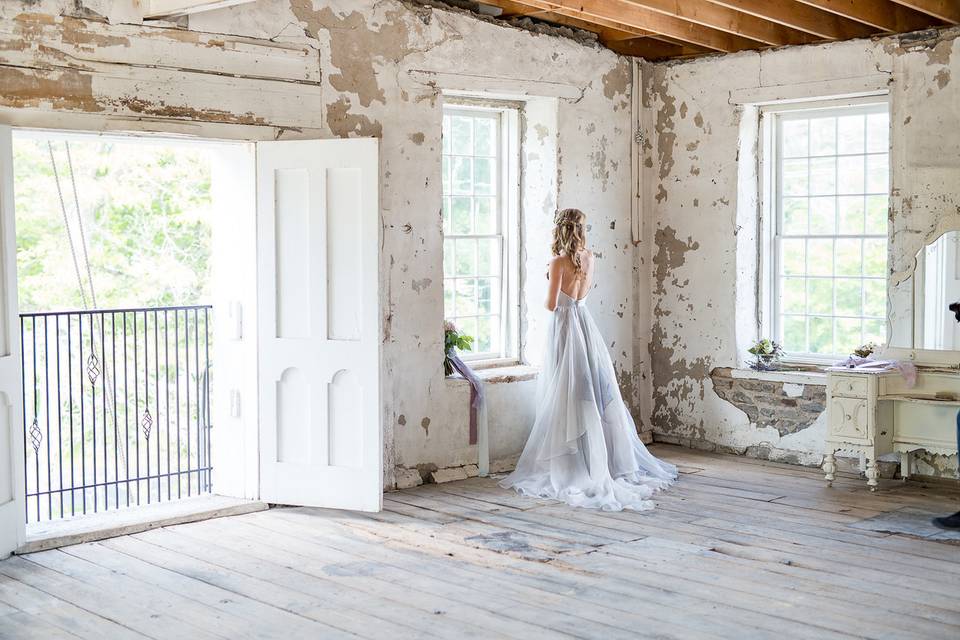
(146, 211)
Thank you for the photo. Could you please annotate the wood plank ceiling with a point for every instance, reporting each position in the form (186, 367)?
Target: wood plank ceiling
(659, 29)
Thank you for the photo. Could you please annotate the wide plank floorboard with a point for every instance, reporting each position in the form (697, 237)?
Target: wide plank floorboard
(739, 549)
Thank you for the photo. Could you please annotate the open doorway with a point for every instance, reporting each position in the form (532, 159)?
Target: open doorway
(119, 258)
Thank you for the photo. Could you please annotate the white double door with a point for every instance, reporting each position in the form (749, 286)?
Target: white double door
(317, 430)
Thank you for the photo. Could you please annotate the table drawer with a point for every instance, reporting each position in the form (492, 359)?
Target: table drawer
(849, 386)
(849, 419)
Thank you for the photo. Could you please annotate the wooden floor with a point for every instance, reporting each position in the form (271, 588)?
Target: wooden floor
(738, 549)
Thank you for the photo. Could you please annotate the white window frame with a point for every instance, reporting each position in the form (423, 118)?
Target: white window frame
(507, 115)
(769, 160)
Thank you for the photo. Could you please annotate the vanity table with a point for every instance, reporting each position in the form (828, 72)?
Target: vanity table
(875, 413)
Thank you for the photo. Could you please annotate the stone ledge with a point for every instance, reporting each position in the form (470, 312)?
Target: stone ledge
(788, 376)
(499, 375)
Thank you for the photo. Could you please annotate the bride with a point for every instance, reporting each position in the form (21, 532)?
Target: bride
(583, 448)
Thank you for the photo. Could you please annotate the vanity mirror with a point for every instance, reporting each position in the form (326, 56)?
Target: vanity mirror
(920, 317)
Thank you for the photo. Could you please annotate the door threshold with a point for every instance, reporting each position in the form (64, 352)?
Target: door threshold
(120, 522)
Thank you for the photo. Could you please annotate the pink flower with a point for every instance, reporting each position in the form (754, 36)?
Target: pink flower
(449, 326)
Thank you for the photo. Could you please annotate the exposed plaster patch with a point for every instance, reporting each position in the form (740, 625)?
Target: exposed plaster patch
(599, 163)
(617, 80)
(542, 132)
(942, 77)
(402, 420)
(420, 285)
(425, 424)
(417, 138)
(343, 124)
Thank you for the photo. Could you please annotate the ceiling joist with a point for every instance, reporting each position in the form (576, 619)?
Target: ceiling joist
(656, 29)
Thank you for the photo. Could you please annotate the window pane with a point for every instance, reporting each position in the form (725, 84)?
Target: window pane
(793, 295)
(794, 336)
(460, 222)
(795, 177)
(483, 141)
(876, 220)
(823, 138)
(875, 331)
(485, 221)
(823, 216)
(487, 296)
(877, 174)
(484, 338)
(850, 132)
(462, 135)
(821, 335)
(875, 298)
(462, 176)
(448, 298)
(488, 257)
(850, 174)
(848, 298)
(878, 132)
(448, 258)
(466, 300)
(848, 256)
(466, 257)
(875, 257)
(823, 176)
(847, 335)
(850, 210)
(794, 138)
(483, 176)
(793, 260)
(820, 257)
(820, 295)
(794, 216)
(446, 135)
(468, 326)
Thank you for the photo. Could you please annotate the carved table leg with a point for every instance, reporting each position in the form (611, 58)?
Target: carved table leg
(829, 468)
(872, 474)
(904, 465)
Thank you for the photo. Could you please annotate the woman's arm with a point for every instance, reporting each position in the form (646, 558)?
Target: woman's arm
(555, 275)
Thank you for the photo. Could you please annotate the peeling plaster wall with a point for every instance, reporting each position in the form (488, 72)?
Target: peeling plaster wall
(338, 68)
(702, 258)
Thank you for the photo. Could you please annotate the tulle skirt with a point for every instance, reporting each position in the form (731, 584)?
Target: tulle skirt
(584, 448)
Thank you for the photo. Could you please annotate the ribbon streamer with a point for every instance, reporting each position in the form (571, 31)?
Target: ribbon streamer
(478, 413)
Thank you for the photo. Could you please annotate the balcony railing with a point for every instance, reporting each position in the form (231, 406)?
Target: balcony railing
(116, 408)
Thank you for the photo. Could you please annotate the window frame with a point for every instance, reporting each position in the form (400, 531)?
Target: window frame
(507, 115)
(769, 161)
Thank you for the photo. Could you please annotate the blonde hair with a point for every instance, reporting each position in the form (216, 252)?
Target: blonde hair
(569, 235)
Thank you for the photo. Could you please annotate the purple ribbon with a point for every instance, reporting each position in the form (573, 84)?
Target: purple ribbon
(476, 391)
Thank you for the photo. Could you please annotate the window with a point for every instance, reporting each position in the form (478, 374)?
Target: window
(828, 200)
(480, 255)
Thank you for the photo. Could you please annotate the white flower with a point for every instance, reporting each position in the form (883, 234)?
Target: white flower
(449, 326)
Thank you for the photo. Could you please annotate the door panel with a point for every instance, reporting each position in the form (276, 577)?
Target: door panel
(319, 319)
(12, 516)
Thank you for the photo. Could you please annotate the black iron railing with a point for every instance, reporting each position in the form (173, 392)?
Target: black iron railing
(116, 408)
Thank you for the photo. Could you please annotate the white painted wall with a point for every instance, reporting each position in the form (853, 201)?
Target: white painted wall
(700, 258)
(337, 68)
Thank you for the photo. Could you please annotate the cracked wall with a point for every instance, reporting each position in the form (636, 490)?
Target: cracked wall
(701, 255)
(285, 69)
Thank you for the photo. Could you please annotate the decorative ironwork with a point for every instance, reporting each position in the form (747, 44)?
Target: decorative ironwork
(93, 368)
(90, 375)
(36, 436)
(146, 423)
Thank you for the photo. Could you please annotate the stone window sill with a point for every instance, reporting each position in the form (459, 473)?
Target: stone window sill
(788, 376)
(499, 375)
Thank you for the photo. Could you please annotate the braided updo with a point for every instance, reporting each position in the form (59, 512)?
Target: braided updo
(569, 234)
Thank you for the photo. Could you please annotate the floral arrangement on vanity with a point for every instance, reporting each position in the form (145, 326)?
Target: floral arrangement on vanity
(768, 354)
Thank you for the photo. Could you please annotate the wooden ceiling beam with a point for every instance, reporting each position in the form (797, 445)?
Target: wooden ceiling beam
(631, 15)
(885, 15)
(651, 49)
(795, 15)
(721, 18)
(946, 10)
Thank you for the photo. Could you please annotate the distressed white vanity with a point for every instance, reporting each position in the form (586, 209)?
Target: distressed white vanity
(877, 413)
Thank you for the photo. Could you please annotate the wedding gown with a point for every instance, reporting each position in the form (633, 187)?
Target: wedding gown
(583, 448)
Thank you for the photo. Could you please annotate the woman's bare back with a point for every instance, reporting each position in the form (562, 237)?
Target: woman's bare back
(577, 285)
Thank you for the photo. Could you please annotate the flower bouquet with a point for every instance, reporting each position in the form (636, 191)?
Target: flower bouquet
(768, 354)
(453, 339)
